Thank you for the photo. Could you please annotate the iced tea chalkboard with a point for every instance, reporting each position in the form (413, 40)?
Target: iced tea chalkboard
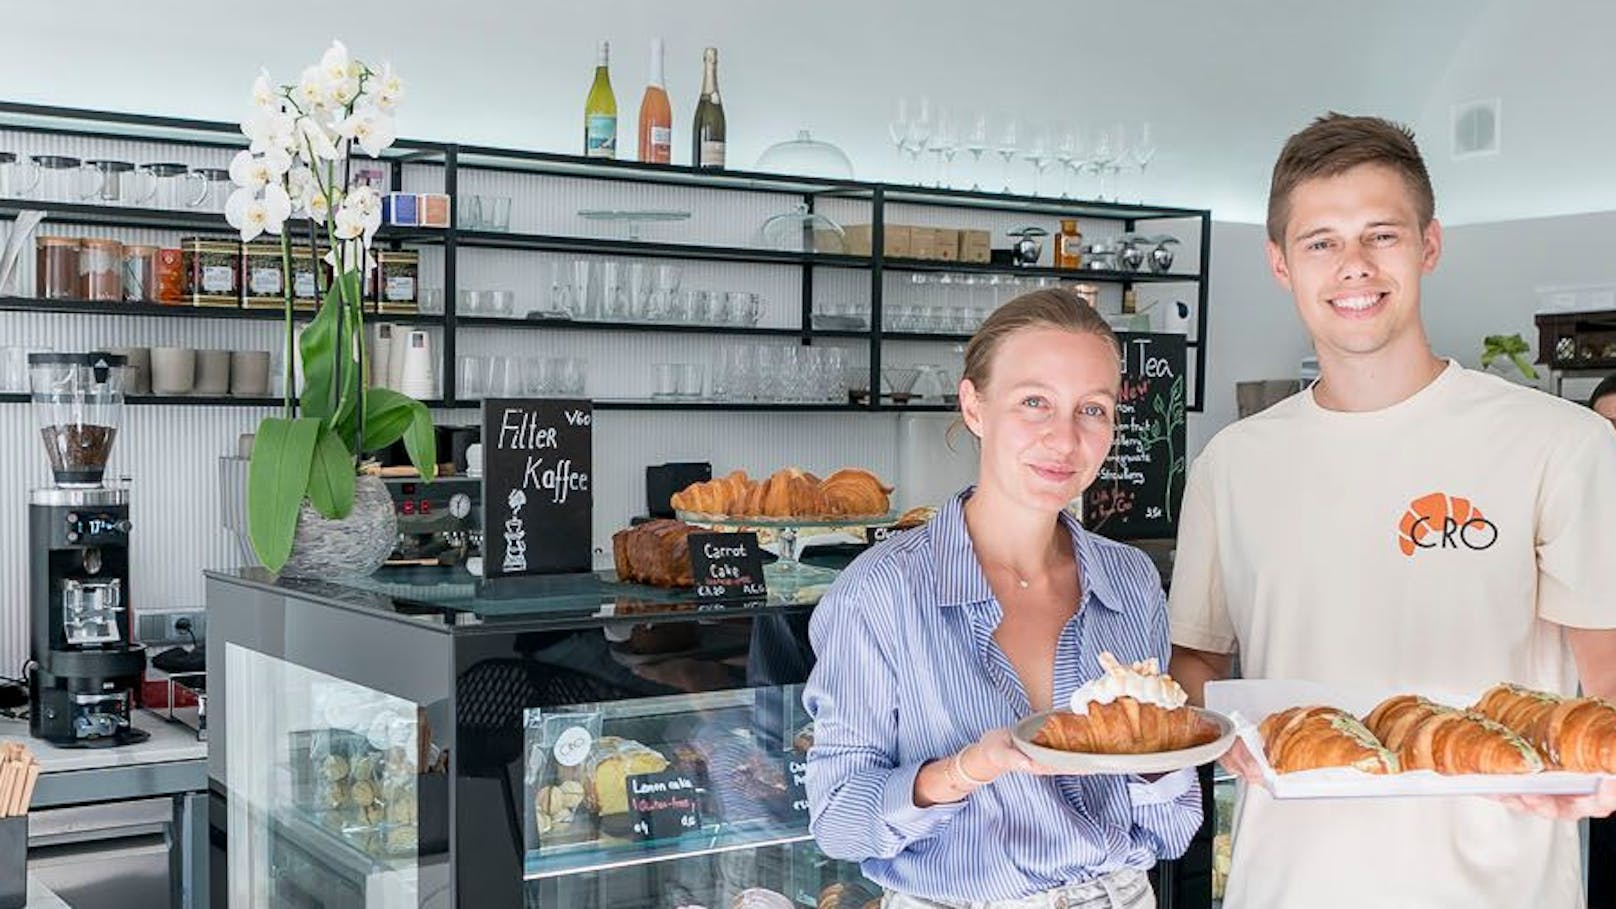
(1138, 491)
(538, 504)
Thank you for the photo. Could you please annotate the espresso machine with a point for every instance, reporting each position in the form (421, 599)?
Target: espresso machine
(85, 666)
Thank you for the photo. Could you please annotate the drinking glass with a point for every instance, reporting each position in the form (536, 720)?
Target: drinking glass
(1008, 146)
(690, 381)
(574, 376)
(944, 143)
(583, 300)
(560, 291)
(667, 285)
(614, 299)
(471, 377)
(667, 380)
(1037, 154)
(920, 129)
(639, 290)
(898, 130)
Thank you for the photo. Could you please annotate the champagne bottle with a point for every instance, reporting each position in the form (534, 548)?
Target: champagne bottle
(656, 114)
(600, 112)
(707, 136)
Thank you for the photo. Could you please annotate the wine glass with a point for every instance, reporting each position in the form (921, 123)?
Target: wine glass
(1065, 150)
(976, 142)
(1101, 156)
(898, 130)
(946, 144)
(1008, 146)
(1144, 149)
(1037, 153)
(1123, 156)
(919, 135)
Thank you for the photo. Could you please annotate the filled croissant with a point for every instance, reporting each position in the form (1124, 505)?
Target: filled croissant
(1128, 709)
(1310, 738)
(1426, 735)
(1125, 726)
(1575, 734)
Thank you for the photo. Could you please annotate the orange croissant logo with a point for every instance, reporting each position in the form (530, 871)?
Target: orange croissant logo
(1441, 521)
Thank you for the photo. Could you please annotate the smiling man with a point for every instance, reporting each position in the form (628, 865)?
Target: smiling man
(1405, 523)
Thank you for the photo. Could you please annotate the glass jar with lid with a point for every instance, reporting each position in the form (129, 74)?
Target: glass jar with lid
(56, 267)
(101, 269)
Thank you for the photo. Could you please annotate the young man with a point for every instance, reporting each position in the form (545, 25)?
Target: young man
(1405, 524)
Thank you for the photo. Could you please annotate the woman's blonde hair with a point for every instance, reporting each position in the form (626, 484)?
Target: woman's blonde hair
(1048, 308)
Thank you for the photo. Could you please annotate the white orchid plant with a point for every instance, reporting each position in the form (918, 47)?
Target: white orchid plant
(296, 166)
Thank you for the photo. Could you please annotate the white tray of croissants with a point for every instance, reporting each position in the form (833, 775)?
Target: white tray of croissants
(1313, 740)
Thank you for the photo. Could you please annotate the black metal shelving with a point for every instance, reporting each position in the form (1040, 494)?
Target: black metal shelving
(164, 310)
(453, 158)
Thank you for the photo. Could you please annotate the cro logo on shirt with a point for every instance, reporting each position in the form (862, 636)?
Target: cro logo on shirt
(1441, 521)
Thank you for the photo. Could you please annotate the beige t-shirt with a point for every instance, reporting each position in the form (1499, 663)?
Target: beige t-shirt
(1346, 548)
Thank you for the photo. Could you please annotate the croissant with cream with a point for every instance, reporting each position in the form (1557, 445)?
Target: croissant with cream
(1575, 734)
(1128, 709)
(1126, 726)
(1310, 738)
(1429, 736)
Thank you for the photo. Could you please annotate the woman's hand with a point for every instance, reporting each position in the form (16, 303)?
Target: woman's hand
(995, 754)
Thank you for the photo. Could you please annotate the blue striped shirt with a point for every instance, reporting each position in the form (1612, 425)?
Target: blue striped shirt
(908, 672)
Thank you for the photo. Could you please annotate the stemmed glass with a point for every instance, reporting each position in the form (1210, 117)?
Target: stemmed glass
(898, 130)
(945, 144)
(1008, 146)
(1101, 156)
(976, 142)
(1065, 150)
(1144, 149)
(1123, 157)
(919, 135)
(1037, 154)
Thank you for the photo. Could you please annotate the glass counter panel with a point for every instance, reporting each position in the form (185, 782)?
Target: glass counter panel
(701, 794)
(326, 783)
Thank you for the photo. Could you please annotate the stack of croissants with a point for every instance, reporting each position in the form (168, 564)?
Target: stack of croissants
(1511, 729)
(788, 493)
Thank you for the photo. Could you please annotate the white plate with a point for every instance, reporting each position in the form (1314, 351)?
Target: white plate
(1154, 762)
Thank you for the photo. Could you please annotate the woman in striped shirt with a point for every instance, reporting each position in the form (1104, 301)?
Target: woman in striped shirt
(932, 644)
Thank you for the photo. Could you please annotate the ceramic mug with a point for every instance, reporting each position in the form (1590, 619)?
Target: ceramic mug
(173, 370)
(212, 372)
(249, 373)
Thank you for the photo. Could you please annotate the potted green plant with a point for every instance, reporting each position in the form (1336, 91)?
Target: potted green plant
(1514, 350)
(310, 509)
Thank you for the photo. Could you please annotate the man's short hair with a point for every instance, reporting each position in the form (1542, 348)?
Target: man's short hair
(1336, 143)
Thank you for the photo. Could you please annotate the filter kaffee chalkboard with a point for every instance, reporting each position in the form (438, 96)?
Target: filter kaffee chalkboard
(538, 503)
(1141, 485)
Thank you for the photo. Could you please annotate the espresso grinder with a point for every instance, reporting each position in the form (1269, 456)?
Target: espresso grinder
(85, 666)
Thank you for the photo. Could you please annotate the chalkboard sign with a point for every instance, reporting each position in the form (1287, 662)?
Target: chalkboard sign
(538, 504)
(727, 566)
(663, 805)
(1141, 484)
(796, 777)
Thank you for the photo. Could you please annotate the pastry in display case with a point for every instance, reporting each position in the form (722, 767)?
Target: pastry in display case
(788, 493)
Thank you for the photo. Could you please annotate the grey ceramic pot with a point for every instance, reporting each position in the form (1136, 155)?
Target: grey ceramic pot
(354, 546)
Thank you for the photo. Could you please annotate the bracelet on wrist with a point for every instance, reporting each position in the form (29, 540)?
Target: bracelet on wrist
(959, 770)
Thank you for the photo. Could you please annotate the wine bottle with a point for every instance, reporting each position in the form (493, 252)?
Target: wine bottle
(707, 136)
(600, 112)
(656, 115)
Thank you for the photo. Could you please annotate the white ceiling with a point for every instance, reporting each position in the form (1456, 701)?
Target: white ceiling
(1224, 82)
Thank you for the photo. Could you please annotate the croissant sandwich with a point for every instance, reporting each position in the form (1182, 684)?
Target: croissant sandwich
(1128, 710)
(1426, 735)
(1575, 734)
(1310, 738)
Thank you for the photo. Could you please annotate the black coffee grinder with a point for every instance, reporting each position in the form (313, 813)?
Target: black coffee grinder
(85, 666)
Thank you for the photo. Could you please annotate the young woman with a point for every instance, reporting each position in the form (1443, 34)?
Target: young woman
(931, 645)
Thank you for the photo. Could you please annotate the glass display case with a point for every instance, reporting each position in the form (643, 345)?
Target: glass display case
(396, 741)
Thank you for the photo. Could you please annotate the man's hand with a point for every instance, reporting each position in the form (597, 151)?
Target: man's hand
(1566, 807)
(1238, 761)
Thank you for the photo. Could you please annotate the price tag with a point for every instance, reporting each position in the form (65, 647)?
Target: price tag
(796, 777)
(881, 533)
(727, 566)
(663, 805)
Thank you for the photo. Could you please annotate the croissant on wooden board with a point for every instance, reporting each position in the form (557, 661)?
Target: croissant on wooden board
(1310, 738)
(1126, 726)
(1426, 735)
(1575, 734)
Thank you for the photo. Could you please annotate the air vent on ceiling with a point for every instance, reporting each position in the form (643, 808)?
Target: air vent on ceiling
(1476, 127)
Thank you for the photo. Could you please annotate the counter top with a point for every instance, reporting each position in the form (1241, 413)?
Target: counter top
(446, 598)
(169, 742)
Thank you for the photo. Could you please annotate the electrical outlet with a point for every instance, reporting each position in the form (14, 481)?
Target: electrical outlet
(162, 626)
